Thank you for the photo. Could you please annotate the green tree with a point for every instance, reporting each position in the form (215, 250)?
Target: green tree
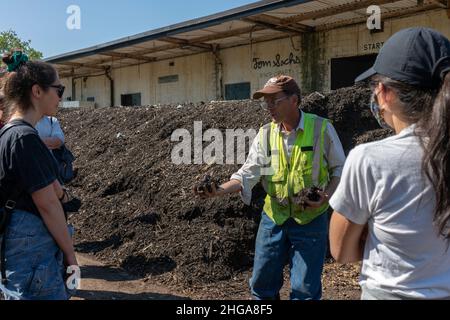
(10, 40)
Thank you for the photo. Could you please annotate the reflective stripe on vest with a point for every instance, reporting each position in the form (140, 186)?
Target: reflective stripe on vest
(318, 146)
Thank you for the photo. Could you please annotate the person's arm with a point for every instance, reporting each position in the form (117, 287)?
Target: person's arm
(353, 204)
(232, 186)
(61, 192)
(245, 179)
(36, 172)
(332, 186)
(334, 152)
(335, 157)
(347, 239)
(53, 143)
(56, 140)
(52, 214)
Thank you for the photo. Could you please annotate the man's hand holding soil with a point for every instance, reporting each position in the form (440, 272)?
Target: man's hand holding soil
(321, 198)
(209, 188)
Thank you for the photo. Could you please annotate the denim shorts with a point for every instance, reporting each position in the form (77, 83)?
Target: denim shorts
(34, 262)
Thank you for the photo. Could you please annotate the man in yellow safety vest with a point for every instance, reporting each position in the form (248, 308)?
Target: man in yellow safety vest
(292, 156)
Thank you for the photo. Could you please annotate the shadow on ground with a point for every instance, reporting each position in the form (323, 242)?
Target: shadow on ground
(106, 273)
(107, 295)
(105, 282)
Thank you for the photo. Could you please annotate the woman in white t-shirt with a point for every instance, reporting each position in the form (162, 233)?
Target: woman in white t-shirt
(392, 207)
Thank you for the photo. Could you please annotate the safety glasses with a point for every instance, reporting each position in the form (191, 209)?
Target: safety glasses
(269, 105)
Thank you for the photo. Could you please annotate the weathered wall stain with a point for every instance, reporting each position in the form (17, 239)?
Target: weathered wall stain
(313, 63)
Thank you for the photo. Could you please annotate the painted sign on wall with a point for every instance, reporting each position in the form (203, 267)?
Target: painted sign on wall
(277, 62)
(375, 46)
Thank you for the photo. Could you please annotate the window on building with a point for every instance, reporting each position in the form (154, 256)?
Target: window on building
(168, 79)
(91, 99)
(237, 91)
(345, 70)
(133, 99)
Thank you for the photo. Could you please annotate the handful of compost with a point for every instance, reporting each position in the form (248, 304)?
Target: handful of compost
(206, 185)
(308, 194)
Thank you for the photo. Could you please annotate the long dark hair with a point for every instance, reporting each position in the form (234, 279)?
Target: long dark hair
(18, 84)
(437, 158)
(2, 101)
(429, 109)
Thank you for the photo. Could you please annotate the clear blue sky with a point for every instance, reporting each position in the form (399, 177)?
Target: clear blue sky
(44, 21)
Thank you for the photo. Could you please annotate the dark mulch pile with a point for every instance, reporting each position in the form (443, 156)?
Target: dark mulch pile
(138, 209)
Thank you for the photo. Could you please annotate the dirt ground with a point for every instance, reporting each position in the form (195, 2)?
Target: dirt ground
(108, 282)
(138, 211)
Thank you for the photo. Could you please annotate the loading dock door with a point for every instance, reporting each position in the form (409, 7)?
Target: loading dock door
(237, 91)
(129, 100)
(345, 70)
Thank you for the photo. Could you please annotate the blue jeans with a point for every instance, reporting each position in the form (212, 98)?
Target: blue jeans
(34, 262)
(304, 246)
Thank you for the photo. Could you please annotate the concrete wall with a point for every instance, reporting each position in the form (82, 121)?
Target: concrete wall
(259, 62)
(357, 40)
(67, 82)
(195, 80)
(306, 58)
(97, 87)
(132, 80)
(195, 83)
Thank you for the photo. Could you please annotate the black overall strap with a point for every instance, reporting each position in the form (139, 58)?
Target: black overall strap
(8, 209)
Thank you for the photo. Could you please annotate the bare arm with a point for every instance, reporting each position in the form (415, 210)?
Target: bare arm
(332, 186)
(232, 186)
(61, 193)
(52, 143)
(52, 214)
(347, 239)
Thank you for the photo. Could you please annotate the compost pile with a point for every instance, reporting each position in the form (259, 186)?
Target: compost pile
(138, 208)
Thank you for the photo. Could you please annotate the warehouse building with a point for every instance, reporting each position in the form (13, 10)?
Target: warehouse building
(322, 43)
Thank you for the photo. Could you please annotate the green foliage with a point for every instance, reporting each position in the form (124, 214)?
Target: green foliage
(9, 40)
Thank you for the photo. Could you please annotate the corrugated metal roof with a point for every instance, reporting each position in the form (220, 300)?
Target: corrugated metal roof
(261, 21)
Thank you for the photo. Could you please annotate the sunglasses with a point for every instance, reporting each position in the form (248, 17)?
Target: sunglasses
(59, 89)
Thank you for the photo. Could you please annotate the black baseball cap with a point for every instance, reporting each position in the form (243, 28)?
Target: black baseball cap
(416, 56)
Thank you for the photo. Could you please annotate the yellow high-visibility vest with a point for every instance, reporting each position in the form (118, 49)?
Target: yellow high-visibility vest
(283, 179)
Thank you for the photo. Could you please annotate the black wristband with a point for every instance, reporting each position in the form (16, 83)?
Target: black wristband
(63, 196)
